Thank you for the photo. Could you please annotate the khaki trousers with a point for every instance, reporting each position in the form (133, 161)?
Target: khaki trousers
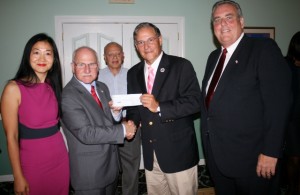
(179, 183)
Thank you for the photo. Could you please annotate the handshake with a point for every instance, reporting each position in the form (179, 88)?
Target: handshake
(130, 129)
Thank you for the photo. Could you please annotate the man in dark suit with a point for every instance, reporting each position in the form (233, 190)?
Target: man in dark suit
(243, 123)
(89, 126)
(170, 98)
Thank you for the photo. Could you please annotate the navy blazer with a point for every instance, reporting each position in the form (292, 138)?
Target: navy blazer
(171, 133)
(249, 110)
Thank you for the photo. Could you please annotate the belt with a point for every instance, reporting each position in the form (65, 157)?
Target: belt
(29, 133)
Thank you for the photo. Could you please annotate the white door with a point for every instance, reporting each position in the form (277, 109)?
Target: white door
(99, 34)
(95, 36)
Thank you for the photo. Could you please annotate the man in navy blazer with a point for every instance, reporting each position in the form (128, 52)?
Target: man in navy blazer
(169, 142)
(243, 125)
(91, 131)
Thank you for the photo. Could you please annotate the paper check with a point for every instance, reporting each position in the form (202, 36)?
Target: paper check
(126, 100)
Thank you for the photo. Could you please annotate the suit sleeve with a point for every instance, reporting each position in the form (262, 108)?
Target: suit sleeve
(132, 113)
(187, 100)
(275, 86)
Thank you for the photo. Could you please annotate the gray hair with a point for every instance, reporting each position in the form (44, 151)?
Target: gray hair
(233, 3)
(146, 25)
(84, 47)
(113, 43)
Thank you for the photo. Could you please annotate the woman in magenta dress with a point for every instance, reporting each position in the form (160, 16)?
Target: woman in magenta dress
(30, 112)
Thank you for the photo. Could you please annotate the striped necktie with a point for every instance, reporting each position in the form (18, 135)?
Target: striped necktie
(150, 80)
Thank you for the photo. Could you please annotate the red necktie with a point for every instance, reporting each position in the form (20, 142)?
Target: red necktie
(215, 78)
(150, 79)
(93, 92)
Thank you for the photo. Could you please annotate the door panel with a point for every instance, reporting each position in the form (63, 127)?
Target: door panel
(95, 36)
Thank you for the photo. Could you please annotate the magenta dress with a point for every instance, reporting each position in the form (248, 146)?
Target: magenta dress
(44, 161)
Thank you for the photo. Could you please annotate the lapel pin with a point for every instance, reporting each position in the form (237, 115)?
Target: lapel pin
(162, 70)
(236, 61)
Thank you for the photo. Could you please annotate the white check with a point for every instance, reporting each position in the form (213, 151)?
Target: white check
(126, 100)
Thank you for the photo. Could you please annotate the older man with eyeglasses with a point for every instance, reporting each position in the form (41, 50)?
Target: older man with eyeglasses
(89, 124)
(170, 98)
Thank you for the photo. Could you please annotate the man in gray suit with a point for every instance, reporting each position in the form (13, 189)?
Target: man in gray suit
(90, 128)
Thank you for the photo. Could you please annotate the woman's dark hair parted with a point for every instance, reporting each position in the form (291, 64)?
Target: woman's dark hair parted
(26, 74)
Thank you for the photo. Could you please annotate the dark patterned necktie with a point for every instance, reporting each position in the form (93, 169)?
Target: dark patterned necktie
(215, 78)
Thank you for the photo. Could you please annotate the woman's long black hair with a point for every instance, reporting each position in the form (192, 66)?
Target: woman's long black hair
(26, 74)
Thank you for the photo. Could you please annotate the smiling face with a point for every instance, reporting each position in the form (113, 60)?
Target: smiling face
(113, 56)
(148, 44)
(41, 59)
(85, 65)
(227, 24)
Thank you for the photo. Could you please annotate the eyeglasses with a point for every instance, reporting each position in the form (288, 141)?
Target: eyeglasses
(149, 41)
(227, 19)
(112, 55)
(83, 65)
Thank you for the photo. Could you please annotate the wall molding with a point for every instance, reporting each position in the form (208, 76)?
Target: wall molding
(4, 178)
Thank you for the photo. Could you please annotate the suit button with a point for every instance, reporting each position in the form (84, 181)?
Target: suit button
(150, 123)
(150, 141)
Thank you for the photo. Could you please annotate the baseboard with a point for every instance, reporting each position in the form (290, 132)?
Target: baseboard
(206, 191)
(201, 162)
(4, 178)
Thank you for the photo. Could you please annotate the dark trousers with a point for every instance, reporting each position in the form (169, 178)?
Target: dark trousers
(249, 185)
(130, 153)
(108, 190)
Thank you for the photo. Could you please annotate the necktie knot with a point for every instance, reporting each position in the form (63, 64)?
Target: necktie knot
(93, 92)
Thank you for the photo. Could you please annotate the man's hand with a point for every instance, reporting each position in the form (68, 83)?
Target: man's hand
(149, 101)
(130, 129)
(266, 166)
(116, 110)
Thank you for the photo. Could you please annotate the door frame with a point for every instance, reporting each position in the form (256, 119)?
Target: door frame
(60, 20)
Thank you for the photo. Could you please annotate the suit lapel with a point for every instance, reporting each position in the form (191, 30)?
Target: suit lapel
(81, 88)
(103, 99)
(210, 68)
(141, 77)
(227, 75)
(88, 97)
(161, 74)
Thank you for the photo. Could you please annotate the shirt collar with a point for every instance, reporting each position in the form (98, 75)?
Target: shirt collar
(87, 86)
(155, 64)
(232, 47)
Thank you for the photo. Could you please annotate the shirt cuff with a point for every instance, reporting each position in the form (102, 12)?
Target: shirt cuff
(117, 116)
(124, 130)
